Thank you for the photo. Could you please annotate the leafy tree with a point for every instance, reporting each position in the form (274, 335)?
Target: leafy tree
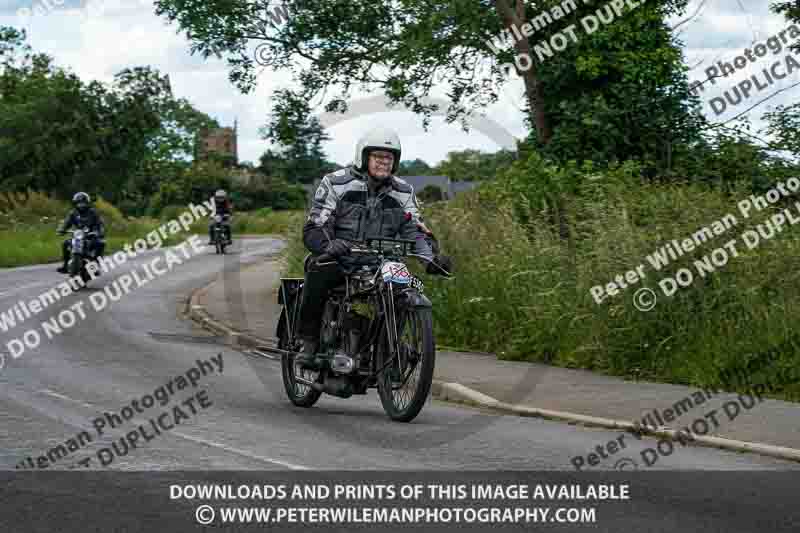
(784, 121)
(299, 136)
(784, 126)
(431, 193)
(402, 48)
(196, 183)
(474, 165)
(791, 10)
(417, 167)
(59, 135)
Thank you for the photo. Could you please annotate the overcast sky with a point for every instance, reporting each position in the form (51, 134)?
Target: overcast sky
(105, 36)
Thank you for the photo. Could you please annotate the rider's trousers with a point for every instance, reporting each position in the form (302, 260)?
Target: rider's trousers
(319, 280)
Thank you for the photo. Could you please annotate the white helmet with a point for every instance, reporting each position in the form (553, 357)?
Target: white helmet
(377, 139)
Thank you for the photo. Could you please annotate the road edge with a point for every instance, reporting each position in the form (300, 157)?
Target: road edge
(461, 394)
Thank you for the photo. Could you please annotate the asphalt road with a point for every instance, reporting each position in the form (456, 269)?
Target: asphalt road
(141, 342)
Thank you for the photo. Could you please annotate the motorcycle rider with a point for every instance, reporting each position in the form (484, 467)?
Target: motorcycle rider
(83, 216)
(222, 207)
(363, 199)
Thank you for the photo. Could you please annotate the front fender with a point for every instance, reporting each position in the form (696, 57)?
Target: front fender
(415, 299)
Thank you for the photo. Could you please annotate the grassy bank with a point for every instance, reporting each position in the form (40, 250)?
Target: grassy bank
(523, 284)
(262, 222)
(28, 226)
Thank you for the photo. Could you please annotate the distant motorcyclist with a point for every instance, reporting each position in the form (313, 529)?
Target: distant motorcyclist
(363, 199)
(223, 208)
(83, 216)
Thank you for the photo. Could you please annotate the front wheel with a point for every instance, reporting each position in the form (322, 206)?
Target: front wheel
(75, 264)
(404, 384)
(300, 394)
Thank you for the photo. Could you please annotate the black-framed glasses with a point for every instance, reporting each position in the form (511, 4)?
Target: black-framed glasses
(382, 158)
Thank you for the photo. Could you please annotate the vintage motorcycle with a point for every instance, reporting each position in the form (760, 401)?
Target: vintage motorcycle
(221, 237)
(82, 252)
(377, 332)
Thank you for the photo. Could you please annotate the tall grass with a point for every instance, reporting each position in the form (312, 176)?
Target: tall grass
(262, 222)
(28, 224)
(523, 289)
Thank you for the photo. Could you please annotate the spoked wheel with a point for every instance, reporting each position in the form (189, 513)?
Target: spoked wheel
(404, 385)
(300, 394)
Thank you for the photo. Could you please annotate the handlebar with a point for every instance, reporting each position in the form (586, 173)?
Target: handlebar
(329, 259)
(73, 231)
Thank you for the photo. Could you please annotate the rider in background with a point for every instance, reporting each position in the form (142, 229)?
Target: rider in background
(361, 200)
(222, 207)
(83, 216)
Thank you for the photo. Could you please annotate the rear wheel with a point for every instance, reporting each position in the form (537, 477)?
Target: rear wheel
(404, 385)
(300, 394)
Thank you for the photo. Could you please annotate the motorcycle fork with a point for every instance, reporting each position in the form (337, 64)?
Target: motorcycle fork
(390, 323)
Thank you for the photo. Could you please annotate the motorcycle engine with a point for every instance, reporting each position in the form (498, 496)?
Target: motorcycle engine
(329, 326)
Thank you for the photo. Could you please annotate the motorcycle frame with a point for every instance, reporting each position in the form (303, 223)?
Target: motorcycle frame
(380, 295)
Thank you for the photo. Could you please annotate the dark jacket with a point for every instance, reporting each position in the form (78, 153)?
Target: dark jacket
(91, 219)
(344, 208)
(224, 208)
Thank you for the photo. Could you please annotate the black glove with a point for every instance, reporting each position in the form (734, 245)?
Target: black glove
(338, 248)
(443, 262)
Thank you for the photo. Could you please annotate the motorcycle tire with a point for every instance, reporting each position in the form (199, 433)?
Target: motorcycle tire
(75, 265)
(299, 394)
(423, 320)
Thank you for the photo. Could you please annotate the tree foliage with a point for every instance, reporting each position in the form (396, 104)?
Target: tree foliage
(474, 165)
(59, 134)
(610, 96)
(298, 136)
(417, 167)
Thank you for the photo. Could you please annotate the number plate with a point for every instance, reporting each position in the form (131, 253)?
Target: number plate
(396, 273)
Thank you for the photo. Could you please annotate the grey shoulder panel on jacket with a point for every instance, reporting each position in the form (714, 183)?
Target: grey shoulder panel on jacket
(341, 176)
(401, 185)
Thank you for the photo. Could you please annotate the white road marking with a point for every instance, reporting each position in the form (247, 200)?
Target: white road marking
(48, 392)
(229, 449)
(241, 452)
(28, 286)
